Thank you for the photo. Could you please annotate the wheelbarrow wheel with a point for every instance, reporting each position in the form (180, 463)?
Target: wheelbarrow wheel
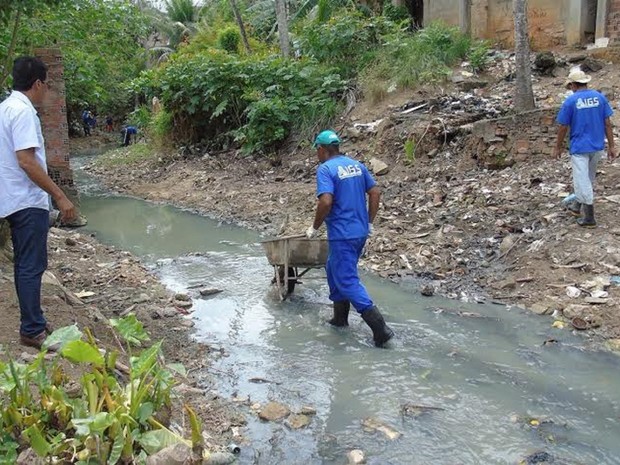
(290, 285)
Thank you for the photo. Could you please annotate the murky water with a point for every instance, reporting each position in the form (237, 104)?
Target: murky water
(486, 373)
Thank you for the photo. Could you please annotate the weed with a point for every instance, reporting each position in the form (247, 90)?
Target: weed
(410, 146)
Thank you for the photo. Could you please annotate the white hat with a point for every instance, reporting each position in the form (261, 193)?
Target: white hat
(577, 75)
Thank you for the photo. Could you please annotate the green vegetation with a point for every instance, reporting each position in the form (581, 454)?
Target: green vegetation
(130, 155)
(118, 414)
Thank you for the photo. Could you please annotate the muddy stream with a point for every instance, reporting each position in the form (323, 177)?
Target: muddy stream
(498, 393)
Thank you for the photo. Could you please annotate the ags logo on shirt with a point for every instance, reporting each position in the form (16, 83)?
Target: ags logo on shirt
(591, 102)
(349, 171)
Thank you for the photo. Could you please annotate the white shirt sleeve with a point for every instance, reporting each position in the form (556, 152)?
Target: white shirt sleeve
(24, 130)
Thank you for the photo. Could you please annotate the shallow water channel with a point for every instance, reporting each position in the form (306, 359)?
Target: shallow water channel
(489, 375)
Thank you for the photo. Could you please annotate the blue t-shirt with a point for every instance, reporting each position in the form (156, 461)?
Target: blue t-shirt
(348, 181)
(585, 112)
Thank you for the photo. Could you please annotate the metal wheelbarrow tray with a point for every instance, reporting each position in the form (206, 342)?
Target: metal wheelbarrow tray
(288, 254)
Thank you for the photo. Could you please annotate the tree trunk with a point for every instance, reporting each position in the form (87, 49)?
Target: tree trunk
(524, 96)
(11, 51)
(244, 36)
(416, 10)
(285, 45)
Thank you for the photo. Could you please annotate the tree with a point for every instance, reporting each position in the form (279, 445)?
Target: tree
(239, 20)
(281, 16)
(524, 96)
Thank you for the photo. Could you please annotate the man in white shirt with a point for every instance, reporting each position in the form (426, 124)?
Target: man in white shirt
(24, 189)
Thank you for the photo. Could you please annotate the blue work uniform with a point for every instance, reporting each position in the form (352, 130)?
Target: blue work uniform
(348, 181)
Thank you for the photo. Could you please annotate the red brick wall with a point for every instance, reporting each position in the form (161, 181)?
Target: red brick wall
(53, 114)
(613, 20)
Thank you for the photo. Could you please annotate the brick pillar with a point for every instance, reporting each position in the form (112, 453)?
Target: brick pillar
(53, 115)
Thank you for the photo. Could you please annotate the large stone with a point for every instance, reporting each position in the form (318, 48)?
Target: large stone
(205, 292)
(379, 167)
(297, 421)
(541, 308)
(356, 457)
(273, 411)
(29, 457)
(592, 65)
(573, 311)
(177, 454)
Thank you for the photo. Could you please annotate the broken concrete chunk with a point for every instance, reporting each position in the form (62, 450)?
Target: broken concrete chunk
(541, 308)
(273, 411)
(379, 167)
(182, 296)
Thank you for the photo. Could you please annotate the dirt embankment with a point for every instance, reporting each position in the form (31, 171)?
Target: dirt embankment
(466, 231)
(87, 284)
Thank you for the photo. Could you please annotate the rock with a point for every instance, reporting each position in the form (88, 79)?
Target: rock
(176, 454)
(273, 411)
(507, 284)
(507, 243)
(355, 457)
(70, 242)
(545, 63)
(573, 292)
(29, 457)
(595, 300)
(457, 78)
(187, 323)
(592, 65)
(183, 304)
(379, 167)
(613, 344)
(427, 290)
(142, 298)
(377, 425)
(168, 312)
(308, 410)
(207, 291)
(183, 297)
(297, 421)
(219, 458)
(538, 458)
(575, 311)
(541, 308)
(471, 84)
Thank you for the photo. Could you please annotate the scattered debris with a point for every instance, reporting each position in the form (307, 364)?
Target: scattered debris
(297, 421)
(372, 424)
(273, 411)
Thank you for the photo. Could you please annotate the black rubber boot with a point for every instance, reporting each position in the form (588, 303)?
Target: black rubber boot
(380, 331)
(574, 208)
(341, 313)
(588, 217)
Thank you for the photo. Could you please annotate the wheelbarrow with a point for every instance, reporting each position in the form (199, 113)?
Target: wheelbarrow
(292, 257)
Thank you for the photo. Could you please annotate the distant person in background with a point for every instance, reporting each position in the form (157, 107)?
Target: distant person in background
(92, 121)
(86, 122)
(127, 133)
(109, 124)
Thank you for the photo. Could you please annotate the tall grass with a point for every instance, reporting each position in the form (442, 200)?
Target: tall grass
(407, 60)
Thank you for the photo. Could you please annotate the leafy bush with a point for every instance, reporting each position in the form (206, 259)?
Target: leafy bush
(408, 59)
(348, 40)
(111, 419)
(229, 40)
(251, 100)
(478, 56)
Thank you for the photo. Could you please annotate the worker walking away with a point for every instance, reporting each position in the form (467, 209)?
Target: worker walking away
(342, 187)
(587, 114)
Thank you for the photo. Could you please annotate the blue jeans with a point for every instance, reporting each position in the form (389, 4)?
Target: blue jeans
(29, 228)
(342, 277)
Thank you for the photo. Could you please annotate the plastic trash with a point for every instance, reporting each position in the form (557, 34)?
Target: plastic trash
(233, 448)
(569, 198)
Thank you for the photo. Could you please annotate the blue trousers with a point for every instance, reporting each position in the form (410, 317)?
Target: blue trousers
(342, 276)
(29, 228)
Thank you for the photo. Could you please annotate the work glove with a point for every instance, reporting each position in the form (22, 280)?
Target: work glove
(371, 229)
(311, 232)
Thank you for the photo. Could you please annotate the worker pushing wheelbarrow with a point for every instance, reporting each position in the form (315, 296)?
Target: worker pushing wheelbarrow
(342, 187)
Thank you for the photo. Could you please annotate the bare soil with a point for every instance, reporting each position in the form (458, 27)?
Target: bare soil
(462, 230)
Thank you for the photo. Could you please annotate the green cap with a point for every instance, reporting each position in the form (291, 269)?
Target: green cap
(326, 138)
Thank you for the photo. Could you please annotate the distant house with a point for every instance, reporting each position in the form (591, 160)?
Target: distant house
(552, 22)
